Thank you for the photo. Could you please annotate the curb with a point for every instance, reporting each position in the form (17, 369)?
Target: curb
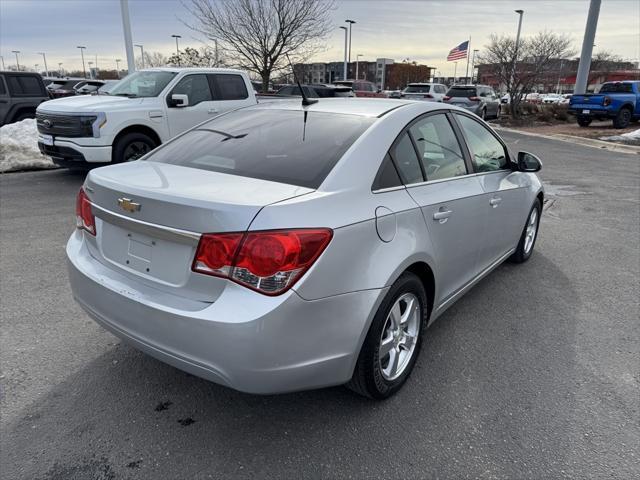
(585, 142)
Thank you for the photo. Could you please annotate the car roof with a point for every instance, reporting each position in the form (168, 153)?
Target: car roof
(366, 107)
(192, 69)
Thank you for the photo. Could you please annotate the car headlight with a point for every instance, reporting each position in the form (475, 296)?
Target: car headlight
(91, 124)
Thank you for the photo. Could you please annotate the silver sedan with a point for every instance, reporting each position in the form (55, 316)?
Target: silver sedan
(284, 247)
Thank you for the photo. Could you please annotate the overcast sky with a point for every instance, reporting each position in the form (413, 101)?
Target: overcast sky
(423, 31)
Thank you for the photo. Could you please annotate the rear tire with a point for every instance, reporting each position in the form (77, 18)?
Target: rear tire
(483, 114)
(132, 146)
(529, 235)
(623, 118)
(584, 121)
(399, 334)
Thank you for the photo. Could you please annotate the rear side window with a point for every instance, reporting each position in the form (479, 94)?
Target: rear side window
(229, 87)
(268, 144)
(406, 160)
(487, 152)
(25, 85)
(462, 92)
(438, 147)
(387, 175)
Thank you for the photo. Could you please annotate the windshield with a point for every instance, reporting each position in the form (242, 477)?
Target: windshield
(143, 84)
(293, 147)
(417, 89)
(616, 88)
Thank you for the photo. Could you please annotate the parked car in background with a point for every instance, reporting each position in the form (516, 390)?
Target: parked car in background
(551, 98)
(479, 99)
(505, 99)
(20, 95)
(362, 88)
(432, 92)
(271, 251)
(88, 87)
(393, 93)
(566, 99)
(64, 87)
(314, 91)
(533, 97)
(619, 101)
(142, 111)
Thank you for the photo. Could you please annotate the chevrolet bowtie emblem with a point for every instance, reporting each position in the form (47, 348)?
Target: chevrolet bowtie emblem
(128, 206)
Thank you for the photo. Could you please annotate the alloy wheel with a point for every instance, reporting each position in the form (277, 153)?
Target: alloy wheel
(399, 336)
(135, 150)
(532, 229)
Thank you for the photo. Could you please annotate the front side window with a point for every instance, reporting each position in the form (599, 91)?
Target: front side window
(438, 148)
(487, 152)
(406, 160)
(196, 87)
(293, 147)
(143, 84)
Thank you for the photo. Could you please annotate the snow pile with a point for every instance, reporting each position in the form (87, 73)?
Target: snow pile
(625, 137)
(19, 147)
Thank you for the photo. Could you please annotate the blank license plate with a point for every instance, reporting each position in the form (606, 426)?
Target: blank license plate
(46, 139)
(586, 112)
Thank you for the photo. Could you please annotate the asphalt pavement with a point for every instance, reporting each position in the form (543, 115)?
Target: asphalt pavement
(535, 373)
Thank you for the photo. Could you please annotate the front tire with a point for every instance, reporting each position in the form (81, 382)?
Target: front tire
(623, 118)
(529, 235)
(393, 343)
(584, 121)
(132, 146)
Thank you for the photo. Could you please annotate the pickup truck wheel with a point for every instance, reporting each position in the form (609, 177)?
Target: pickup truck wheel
(623, 118)
(584, 121)
(132, 146)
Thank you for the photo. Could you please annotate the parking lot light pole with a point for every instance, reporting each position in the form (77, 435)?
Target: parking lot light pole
(2, 60)
(350, 22)
(60, 71)
(17, 62)
(473, 65)
(44, 57)
(177, 49)
(358, 63)
(84, 70)
(515, 53)
(582, 77)
(344, 74)
(118, 67)
(141, 53)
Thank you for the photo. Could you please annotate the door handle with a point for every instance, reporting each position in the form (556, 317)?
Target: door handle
(495, 201)
(212, 110)
(442, 215)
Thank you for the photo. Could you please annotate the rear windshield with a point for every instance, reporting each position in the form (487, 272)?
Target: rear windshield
(273, 145)
(616, 88)
(417, 89)
(462, 92)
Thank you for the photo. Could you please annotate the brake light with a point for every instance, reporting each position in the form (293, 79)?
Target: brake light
(269, 262)
(474, 99)
(447, 97)
(428, 95)
(84, 216)
(607, 101)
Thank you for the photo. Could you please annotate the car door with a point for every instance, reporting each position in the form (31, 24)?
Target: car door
(504, 199)
(229, 92)
(200, 105)
(4, 101)
(440, 183)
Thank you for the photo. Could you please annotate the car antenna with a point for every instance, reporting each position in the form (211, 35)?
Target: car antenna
(305, 101)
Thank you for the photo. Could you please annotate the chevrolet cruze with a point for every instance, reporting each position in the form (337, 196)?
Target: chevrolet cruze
(286, 246)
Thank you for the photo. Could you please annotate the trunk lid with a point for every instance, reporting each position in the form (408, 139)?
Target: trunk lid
(149, 217)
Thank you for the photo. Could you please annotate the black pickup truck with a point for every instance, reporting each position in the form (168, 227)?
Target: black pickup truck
(20, 95)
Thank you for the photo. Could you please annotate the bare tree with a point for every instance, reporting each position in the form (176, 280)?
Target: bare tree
(152, 59)
(190, 57)
(603, 63)
(258, 34)
(537, 60)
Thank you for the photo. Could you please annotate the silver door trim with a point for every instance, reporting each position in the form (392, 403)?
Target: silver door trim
(158, 231)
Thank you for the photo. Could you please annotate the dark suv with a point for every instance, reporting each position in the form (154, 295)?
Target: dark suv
(20, 94)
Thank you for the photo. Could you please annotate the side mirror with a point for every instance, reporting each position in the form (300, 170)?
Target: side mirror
(528, 162)
(179, 100)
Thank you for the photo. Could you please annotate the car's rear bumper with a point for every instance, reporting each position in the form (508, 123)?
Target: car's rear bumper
(243, 340)
(591, 111)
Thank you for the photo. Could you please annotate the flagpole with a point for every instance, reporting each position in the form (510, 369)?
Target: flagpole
(455, 70)
(466, 75)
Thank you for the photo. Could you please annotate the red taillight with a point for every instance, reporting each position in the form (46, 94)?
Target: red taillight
(474, 99)
(428, 95)
(607, 101)
(269, 262)
(446, 97)
(84, 217)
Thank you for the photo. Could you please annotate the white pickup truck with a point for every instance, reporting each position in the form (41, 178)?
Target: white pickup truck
(142, 111)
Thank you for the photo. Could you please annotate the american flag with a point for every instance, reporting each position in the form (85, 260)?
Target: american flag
(459, 52)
